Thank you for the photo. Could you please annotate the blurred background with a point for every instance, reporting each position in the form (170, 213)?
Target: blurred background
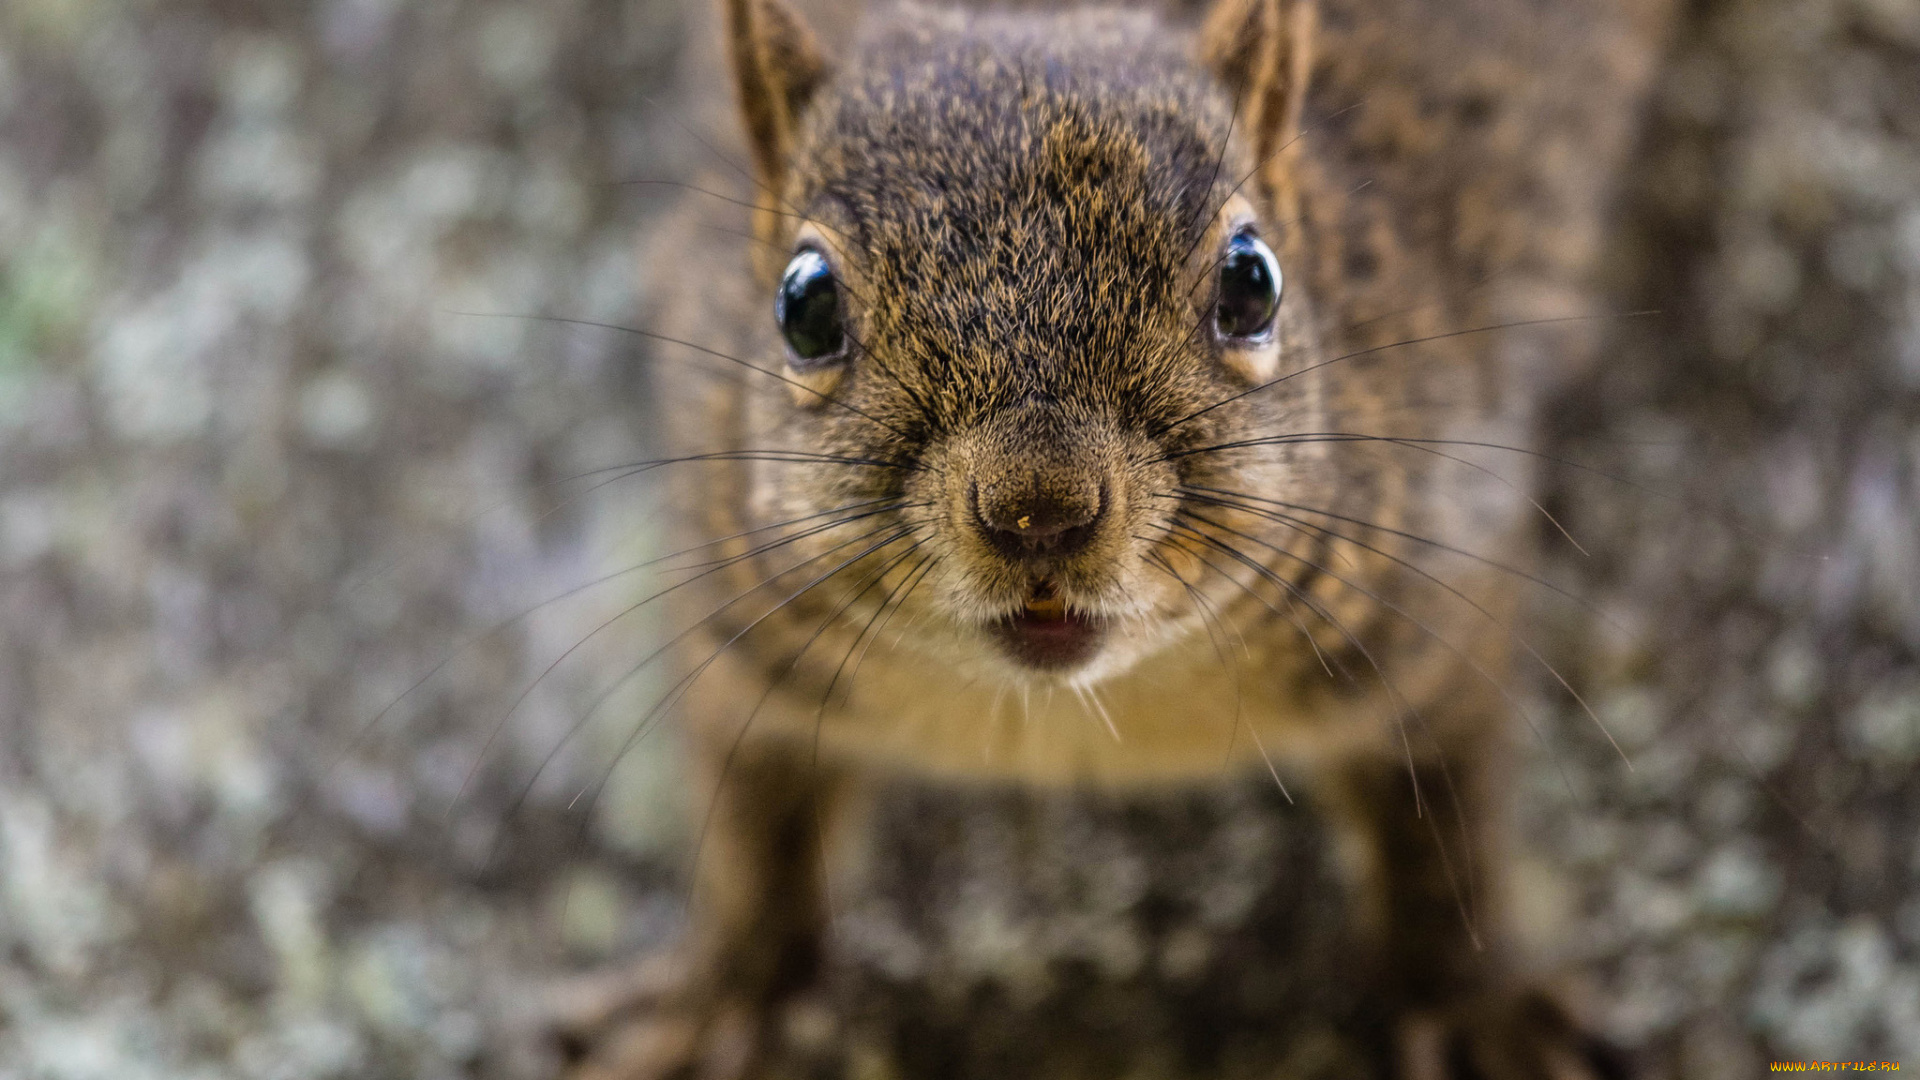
(268, 457)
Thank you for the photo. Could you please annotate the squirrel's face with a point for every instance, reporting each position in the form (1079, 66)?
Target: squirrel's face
(1030, 280)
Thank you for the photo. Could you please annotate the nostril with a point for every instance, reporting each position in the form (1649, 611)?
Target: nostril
(1038, 523)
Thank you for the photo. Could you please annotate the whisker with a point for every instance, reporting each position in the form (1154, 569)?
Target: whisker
(1427, 541)
(890, 507)
(1445, 772)
(723, 197)
(667, 700)
(669, 339)
(1511, 635)
(1207, 274)
(1486, 279)
(883, 504)
(1290, 615)
(1352, 640)
(820, 716)
(686, 682)
(1378, 599)
(636, 668)
(1269, 384)
(1202, 219)
(749, 237)
(1424, 445)
(1510, 486)
(1267, 759)
(648, 721)
(739, 737)
(724, 159)
(621, 472)
(1263, 162)
(912, 582)
(366, 729)
(993, 725)
(787, 209)
(827, 695)
(1095, 711)
(1239, 704)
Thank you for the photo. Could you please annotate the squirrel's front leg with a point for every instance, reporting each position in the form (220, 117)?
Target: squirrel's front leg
(1461, 1009)
(717, 1007)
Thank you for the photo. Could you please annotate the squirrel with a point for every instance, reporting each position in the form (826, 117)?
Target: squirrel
(1093, 400)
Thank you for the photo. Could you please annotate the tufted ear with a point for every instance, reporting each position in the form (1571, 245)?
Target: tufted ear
(1263, 51)
(777, 67)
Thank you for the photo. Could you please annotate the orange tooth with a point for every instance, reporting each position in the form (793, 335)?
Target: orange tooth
(1050, 610)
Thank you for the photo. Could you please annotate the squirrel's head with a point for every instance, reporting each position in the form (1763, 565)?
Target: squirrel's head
(1030, 263)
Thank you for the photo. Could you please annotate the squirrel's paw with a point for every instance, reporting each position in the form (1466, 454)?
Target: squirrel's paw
(648, 1024)
(1527, 1035)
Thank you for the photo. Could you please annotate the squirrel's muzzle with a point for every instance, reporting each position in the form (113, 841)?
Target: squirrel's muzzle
(1039, 488)
(1038, 515)
(1039, 505)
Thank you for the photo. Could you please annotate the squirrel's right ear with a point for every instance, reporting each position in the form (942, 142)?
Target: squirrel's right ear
(1263, 51)
(777, 67)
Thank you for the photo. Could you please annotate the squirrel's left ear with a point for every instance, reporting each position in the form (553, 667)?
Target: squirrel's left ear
(1263, 51)
(776, 67)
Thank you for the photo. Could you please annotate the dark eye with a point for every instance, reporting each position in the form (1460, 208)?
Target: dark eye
(808, 310)
(1249, 288)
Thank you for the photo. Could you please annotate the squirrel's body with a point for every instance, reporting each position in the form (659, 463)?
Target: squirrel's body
(1039, 509)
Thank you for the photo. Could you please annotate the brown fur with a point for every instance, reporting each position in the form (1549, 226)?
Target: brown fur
(1024, 212)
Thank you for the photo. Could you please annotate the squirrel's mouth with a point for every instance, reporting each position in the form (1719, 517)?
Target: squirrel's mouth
(1046, 634)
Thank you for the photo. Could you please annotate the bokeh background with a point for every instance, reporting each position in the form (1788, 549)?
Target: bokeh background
(269, 455)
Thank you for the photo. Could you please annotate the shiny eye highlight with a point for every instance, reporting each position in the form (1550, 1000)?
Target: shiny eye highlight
(807, 307)
(1249, 289)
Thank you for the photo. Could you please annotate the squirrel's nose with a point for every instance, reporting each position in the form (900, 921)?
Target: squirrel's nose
(1033, 522)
